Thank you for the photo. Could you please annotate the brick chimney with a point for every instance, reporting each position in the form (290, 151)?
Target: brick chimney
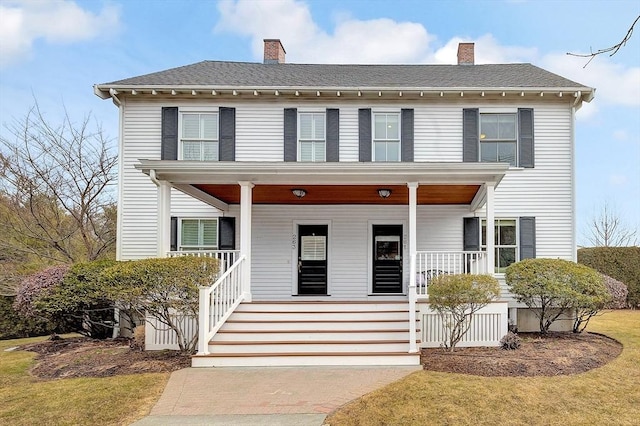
(465, 54)
(273, 51)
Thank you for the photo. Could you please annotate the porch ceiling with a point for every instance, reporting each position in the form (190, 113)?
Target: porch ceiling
(344, 194)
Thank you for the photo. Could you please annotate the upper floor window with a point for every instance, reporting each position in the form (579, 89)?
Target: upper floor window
(198, 234)
(498, 138)
(199, 136)
(386, 137)
(312, 137)
(506, 242)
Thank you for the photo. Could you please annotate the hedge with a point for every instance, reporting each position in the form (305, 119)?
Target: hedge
(621, 263)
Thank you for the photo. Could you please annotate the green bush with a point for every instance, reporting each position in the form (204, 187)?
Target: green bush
(166, 289)
(456, 298)
(552, 286)
(15, 326)
(82, 298)
(621, 263)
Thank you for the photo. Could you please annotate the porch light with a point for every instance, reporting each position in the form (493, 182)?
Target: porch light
(299, 192)
(384, 193)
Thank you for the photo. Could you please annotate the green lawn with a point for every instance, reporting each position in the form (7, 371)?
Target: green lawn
(25, 400)
(603, 396)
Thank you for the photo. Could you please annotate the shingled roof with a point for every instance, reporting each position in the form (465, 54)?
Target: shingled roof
(250, 75)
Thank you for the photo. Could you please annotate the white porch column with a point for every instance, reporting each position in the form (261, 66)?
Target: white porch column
(164, 217)
(491, 230)
(413, 201)
(246, 189)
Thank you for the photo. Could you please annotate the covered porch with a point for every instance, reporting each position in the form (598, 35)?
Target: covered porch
(357, 203)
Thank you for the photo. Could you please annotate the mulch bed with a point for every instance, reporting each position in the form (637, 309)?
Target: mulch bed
(85, 357)
(551, 355)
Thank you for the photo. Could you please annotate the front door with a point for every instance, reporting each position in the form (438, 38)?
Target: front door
(312, 259)
(387, 259)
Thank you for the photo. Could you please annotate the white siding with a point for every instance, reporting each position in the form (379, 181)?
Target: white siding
(438, 133)
(138, 233)
(273, 254)
(349, 140)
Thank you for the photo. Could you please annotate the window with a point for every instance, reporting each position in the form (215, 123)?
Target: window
(311, 137)
(506, 244)
(386, 137)
(199, 234)
(498, 138)
(199, 136)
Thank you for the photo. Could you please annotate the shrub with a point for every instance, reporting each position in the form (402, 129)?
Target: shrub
(592, 296)
(39, 285)
(511, 341)
(618, 292)
(15, 326)
(621, 263)
(552, 286)
(81, 297)
(456, 298)
(166, 289)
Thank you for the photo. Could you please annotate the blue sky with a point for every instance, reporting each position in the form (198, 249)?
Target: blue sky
(54, 51)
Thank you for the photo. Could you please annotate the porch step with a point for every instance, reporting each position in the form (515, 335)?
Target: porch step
(304, 359)
(313, 333)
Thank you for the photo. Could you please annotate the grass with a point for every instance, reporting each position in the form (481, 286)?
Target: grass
(26, 400)
(606, 395)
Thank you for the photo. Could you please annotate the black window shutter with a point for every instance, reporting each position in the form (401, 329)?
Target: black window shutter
(527, 238)
(471, 230)
(227, 145)
(406, 138)
(169, 134)
(364, 131)
(525, 137)
(290, 134)
(470, 135)
(174, 233)
(227, 233)
(333, 134)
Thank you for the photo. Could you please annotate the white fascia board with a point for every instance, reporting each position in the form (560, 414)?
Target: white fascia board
(285, 173)
(102, 90)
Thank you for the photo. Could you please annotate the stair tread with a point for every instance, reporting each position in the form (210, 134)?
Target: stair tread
(323, 354)
(314, 321)
(305, 342)
(264, 331)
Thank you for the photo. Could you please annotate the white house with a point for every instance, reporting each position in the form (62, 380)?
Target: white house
(333, 193)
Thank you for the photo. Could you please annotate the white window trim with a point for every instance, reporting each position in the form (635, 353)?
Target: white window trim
(373, 135)
(498, 111)
(483, 247)
(314, 141)
(199, 248)
(195, 110)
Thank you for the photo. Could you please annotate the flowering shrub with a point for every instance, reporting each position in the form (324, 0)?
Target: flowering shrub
(35, 286)
(618, 292)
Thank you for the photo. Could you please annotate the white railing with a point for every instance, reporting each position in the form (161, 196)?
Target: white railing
(430, 264)
(218, 302)
(158, 336)
(226, 258)
(487, 327)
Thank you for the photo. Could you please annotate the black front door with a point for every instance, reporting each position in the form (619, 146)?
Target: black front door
(387, 258)
(312, 259)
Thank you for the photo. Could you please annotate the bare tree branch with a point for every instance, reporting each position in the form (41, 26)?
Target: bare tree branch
(608, 230)
(614, 49)
(55, 193)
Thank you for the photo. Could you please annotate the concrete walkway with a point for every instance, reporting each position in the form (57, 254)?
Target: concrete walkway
(264, 396)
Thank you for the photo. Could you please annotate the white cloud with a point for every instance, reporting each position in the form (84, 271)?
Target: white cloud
(56, 21)
(353, 41)
(620, 135)
(614, 83)
(618, 180)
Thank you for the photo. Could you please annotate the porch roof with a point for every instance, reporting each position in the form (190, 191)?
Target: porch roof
(328, 183)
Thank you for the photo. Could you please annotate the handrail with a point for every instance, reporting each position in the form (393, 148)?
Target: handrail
(217, 302)
(226, 258)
